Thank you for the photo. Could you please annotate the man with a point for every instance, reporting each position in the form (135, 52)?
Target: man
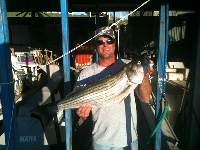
(115, 126)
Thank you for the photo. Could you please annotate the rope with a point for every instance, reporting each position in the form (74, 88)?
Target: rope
(161, 119)
(108, 28)
(164, 115)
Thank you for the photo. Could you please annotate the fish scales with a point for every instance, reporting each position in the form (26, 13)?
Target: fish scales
(96, 93)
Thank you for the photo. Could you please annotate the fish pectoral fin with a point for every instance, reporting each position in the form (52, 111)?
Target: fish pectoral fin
(45, 114)
(131, 83)
(122, 99)
(122, 95)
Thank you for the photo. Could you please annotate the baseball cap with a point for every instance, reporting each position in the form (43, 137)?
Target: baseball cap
(106, 31)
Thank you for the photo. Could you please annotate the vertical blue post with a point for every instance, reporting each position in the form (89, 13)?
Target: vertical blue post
(6, 80)
(68, 129)
(66, 67)
(161, 66)
(97, 23)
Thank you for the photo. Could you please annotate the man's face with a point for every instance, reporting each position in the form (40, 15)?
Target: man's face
(105, 47)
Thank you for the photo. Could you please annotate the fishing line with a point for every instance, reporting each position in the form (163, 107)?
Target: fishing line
(108, 28)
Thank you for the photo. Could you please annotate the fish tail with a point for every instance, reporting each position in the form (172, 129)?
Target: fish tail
(47, 114)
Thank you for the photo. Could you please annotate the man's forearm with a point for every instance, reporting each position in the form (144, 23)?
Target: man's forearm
(145, 89)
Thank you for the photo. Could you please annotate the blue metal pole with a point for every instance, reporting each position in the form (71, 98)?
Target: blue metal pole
(66, 68)
(161, 67)
(97, 21)
(68, 128)
(6, 80)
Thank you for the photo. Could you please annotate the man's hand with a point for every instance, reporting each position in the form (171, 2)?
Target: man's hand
(84, 110)
(151, 69)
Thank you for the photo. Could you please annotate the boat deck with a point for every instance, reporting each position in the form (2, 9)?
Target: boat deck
(30, 134)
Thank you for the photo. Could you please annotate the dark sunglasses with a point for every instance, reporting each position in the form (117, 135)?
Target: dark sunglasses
(108, 41)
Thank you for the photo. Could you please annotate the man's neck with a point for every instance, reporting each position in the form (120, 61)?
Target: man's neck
(106, 62)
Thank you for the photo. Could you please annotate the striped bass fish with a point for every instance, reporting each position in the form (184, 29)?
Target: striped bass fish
(109, 90)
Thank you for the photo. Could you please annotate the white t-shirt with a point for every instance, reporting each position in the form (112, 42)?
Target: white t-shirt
(114, 122)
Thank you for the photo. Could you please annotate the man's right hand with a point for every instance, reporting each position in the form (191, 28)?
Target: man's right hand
(84, 110)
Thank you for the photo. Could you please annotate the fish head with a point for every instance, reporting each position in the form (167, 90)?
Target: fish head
(135, 72)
